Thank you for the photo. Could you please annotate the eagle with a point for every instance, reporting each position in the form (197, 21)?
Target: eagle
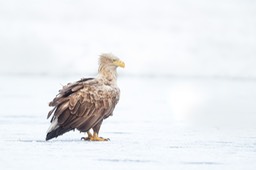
(84, 104)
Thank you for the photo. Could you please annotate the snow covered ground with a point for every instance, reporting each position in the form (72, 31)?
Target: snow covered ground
(164, 122)
(187, 93)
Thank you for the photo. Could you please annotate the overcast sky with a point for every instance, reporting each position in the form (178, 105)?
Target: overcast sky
(151, 36)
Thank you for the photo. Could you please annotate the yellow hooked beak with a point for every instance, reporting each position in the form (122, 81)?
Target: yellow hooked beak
(119, 63)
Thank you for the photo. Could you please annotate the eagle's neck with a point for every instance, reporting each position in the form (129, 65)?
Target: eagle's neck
(108, 74)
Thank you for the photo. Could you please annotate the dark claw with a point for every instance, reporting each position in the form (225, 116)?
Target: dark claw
(107, 139)
(83, 138)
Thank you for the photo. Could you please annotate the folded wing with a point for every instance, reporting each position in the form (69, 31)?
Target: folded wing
(81, 105)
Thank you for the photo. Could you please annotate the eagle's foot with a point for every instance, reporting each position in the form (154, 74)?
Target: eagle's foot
(87, 138)
(94, 137)
(99, 139)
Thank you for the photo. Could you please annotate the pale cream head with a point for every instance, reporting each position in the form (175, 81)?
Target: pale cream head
(109, 59)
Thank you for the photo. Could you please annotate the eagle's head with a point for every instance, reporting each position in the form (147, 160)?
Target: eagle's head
(109, 60)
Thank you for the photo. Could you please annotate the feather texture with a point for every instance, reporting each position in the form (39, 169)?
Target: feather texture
(85, 103)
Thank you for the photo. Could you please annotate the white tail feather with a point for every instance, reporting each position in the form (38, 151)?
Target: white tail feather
(54, 125)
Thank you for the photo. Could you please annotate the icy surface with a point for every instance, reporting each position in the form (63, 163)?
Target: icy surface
(149, 129)
(187, 93)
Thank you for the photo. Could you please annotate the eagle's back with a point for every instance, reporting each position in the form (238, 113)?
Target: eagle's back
(81, 105)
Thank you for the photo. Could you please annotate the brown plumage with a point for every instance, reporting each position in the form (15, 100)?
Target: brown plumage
(83, 105)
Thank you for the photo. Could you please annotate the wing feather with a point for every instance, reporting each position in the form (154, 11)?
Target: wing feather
(60, 109)
(50, 112)
(64, 117)
(76, 108)
(81, 106)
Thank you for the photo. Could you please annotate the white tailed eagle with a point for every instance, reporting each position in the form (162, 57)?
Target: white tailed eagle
(83, 105)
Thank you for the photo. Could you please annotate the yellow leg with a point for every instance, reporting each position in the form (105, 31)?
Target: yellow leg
(88, 137)
(94, 137)
(89, 134)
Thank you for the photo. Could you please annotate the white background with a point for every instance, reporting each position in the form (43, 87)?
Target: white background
(187, 92)
(153, 37)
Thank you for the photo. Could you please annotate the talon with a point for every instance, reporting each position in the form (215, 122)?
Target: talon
(87, 138)
(94, 137)
(83, 138)
(105, 139)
